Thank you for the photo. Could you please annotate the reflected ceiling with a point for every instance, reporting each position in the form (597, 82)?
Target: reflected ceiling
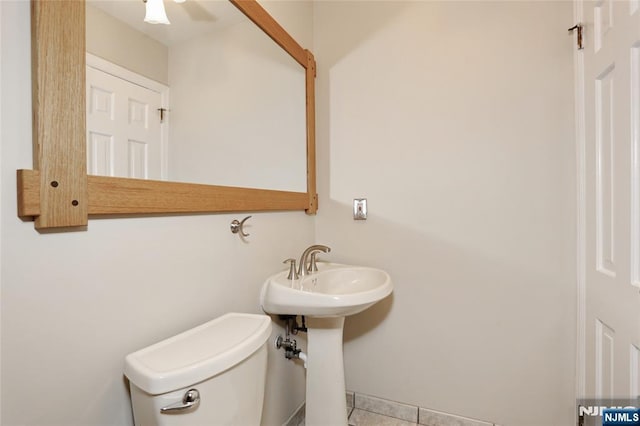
(188, 19)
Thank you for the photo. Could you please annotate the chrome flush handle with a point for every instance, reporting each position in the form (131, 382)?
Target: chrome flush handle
(190, 399)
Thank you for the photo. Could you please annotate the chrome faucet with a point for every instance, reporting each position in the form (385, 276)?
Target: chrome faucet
(303, 269)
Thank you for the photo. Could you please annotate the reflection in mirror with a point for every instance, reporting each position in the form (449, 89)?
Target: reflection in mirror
(232, 102)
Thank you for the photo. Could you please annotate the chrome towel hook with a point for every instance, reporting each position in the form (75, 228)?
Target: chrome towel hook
(238, 227)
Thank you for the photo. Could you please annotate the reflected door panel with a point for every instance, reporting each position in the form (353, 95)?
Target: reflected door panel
(123, 128)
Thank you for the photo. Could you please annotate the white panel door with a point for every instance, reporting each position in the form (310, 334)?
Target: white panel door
(611, 199)
(123, 128)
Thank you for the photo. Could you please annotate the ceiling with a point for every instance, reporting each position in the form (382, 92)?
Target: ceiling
(188, 19)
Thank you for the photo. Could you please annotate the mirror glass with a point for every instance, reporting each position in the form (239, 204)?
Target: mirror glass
(207, 99)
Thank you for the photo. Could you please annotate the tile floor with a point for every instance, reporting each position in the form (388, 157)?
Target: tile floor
(366, 410)
(360, 417)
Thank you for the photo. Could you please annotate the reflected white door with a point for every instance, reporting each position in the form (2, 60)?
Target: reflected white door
(611, 198)
(123, 127)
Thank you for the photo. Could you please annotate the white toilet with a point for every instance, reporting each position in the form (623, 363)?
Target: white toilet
(213, 374)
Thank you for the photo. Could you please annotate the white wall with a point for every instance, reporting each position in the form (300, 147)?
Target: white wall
(237, 110)
(74, 304)
(1, 234)
(115, 41)
(455, 120)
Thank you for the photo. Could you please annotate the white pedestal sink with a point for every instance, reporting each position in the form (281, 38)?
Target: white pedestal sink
(325, 298)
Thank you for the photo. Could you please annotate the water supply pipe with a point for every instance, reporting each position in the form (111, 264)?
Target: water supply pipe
(303, 357)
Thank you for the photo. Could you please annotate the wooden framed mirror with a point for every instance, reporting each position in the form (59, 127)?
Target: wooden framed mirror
(59, 193)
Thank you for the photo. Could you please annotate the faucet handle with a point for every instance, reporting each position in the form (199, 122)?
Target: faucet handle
(293, 274)
(313, 267)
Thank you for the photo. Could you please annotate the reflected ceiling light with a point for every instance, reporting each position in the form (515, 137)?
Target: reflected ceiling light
(155, 13)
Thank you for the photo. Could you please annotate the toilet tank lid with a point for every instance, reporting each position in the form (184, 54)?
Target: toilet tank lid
(197, 354)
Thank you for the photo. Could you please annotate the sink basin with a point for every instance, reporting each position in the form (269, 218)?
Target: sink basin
(334, 291)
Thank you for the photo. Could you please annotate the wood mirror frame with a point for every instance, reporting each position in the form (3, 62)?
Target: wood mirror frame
(59, 193)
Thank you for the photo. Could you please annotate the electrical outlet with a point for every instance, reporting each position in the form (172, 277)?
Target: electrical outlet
(359, 209)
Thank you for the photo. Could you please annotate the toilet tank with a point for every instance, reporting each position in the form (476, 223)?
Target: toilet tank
(224, 360)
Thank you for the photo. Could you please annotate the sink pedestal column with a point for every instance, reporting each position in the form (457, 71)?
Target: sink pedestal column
(325, 400)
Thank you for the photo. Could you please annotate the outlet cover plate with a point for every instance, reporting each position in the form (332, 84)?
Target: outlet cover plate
(359, 209)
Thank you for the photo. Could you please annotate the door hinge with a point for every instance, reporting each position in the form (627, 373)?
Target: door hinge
(163, 111)
(580, 28)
